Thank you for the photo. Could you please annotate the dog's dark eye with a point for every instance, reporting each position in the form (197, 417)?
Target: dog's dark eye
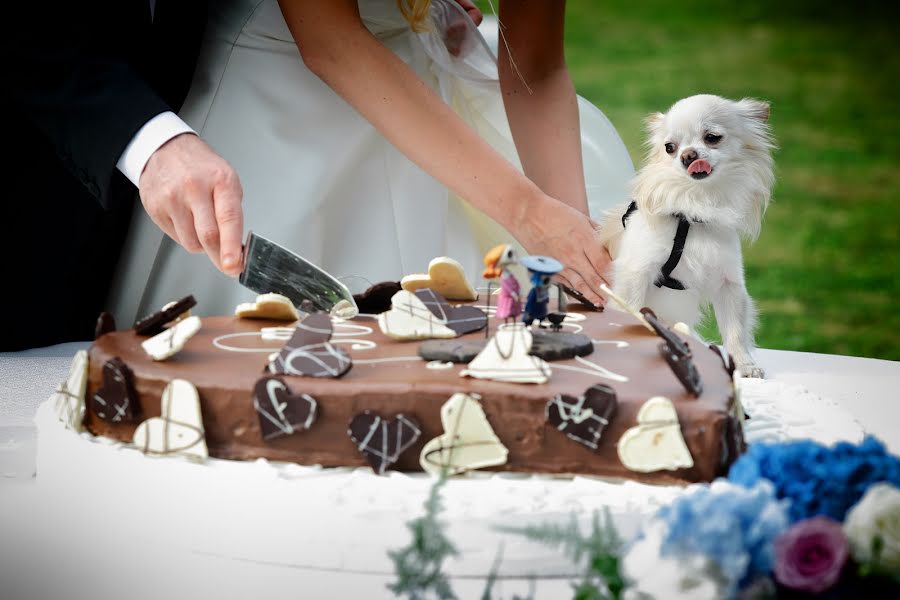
(670, 148)
(712, 138)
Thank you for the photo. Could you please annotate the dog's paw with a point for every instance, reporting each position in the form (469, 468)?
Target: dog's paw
(751, 370)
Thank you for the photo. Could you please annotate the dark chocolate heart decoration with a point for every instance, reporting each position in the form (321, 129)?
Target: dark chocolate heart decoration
(684, 369)
(309, 351)
(678, 345)
(377, 299)
(381, 441)
(461, 319)
(583, 419)
(116, 400)
(105, 324)
(280, 411)
(154, 323)
(726, 358)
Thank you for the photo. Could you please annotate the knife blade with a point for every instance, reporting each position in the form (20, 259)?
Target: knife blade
(268, 267)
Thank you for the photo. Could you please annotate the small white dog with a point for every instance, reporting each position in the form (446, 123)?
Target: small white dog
(707, 182)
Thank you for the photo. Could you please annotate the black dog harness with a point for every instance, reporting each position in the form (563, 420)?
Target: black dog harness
(665, 279)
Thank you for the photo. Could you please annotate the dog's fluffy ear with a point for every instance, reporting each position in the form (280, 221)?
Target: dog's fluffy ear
(755, 109)
(653, 122)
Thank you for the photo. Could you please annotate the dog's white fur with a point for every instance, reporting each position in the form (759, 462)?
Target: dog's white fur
(728, 203)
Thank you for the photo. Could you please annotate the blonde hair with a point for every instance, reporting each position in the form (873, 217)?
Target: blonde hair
(416, 13)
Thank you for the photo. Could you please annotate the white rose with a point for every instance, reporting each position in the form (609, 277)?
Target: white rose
(875, 522)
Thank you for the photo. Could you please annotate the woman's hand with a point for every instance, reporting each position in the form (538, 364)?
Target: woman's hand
(551, 228)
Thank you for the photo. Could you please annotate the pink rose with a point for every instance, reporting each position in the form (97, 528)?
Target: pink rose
(810, 556)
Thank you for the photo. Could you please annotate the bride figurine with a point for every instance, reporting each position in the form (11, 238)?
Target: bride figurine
(371, 137)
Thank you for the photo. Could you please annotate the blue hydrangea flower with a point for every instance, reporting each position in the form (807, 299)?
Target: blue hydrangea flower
(816, 479)
(734, 526)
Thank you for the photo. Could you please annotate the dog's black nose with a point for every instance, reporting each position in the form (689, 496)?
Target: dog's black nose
(688, 156)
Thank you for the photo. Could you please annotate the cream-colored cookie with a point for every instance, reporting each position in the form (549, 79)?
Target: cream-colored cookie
(410, 319)
(655, 443)
(268, 306)
(468, 441)
(69, 396)
(168, 343)
(507, 357)
(179, 429)
(446, 277)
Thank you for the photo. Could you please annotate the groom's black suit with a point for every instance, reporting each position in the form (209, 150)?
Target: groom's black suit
(84, 78)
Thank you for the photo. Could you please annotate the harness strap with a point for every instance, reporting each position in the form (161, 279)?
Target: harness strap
(665, 278)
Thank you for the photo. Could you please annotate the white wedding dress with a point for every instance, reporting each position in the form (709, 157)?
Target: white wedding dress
(318, 178)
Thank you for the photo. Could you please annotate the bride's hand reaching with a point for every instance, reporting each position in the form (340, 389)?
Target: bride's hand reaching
(551, 228)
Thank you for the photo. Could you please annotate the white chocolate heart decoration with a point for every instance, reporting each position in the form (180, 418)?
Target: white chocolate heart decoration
(168, 343)
(268, 306)
(410, 319)
(446, 277)
(506, 358)
(468, 441)
(69, 396)
(655, 443)
(179, 431)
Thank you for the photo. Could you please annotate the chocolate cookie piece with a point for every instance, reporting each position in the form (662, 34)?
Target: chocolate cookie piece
(455, 351)
(683, 367)
(105, 324)
(581, 298)
(282, 412)
(461, 319)
(154, 323)
(583, 419)
(116, 401)
(377, 299)
(382, 441)
(560, 345)
(677, 344)
(309, 351)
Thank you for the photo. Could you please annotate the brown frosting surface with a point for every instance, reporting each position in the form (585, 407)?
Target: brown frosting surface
(225, 379)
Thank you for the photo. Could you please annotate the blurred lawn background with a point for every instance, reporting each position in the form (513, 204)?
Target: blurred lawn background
(824, 272)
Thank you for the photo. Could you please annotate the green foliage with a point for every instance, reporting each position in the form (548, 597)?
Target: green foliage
(419, 566)
(599, 551)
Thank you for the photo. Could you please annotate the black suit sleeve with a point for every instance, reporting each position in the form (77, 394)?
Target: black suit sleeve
(83, 73)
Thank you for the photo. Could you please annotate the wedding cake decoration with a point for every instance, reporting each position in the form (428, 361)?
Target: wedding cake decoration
(116, 400)
(309, 351)
(468, 442)
(170, 313)
(179, 429)
(167, 344)
(410, 319)
(655, 443)
(383, 441)
(583, 419)
(282, 412)
(376, 299)
(69, 397)
(268, 306)
(446, 277)
(507, 357)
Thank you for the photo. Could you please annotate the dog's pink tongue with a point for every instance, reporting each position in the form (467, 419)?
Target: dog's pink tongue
(700, 166)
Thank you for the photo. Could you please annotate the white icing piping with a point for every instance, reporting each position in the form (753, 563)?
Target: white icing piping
(438, 365)
(219, 341)
(593, 369)
(283, 334)
(618, 343)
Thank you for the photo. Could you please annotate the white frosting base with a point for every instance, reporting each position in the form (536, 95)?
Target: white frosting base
(346, 519)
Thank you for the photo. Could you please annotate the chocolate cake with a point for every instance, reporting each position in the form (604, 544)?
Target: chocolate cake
(389, 385)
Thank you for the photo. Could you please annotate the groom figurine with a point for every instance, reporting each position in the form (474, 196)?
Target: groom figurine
(93, 88)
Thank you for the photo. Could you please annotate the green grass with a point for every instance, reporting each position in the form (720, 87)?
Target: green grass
(824, 271)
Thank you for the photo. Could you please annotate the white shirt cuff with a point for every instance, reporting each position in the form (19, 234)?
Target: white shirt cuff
(155, 132)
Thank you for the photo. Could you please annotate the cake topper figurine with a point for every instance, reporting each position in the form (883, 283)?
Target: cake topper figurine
(541, 270)
(509, 301)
